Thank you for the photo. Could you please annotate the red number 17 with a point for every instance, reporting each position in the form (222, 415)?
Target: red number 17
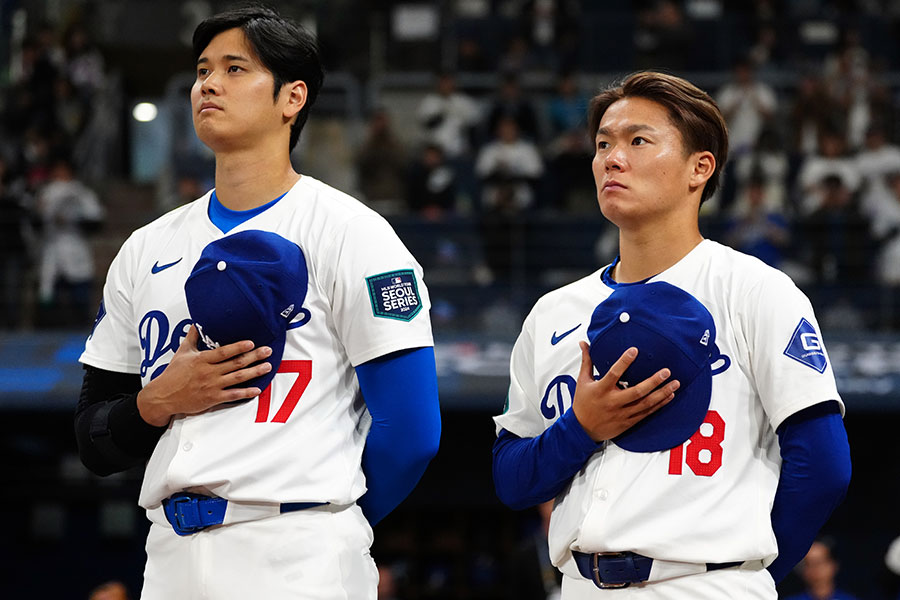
(303, 369)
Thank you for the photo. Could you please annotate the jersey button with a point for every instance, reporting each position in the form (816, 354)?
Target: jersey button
(187, 446)
(602, 494)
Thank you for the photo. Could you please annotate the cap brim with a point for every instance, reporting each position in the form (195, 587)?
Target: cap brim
(675, 422)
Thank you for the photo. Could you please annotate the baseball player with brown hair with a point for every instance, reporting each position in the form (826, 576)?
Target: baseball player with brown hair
(249, 346)
(678, 404)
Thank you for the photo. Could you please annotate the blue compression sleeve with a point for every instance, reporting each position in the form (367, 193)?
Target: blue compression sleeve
(401, 393)
(528, 471)
(815, 473)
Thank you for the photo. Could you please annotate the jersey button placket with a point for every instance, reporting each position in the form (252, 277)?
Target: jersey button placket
(596, 518)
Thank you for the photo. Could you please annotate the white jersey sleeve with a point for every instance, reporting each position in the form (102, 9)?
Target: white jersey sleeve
(113, 344)
(521, 415)
(785, 352)
(380, 301)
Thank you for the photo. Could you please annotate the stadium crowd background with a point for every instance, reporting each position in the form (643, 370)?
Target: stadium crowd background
(463, 122)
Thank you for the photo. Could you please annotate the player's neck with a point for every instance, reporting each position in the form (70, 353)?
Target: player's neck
(247, 179)
(647, 252)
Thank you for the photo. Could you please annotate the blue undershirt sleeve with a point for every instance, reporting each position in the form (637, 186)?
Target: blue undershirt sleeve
(528, 471)
(815, 473)
(400, 391)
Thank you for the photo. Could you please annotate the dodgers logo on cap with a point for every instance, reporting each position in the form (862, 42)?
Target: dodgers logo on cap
(671, 329)
(248, 286)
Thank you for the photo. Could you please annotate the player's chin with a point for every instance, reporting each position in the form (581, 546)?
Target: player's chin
(616, 210)
(213, 135)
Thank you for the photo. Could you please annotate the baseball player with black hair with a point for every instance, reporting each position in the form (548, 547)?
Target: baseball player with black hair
(678, 404)
(266, 350)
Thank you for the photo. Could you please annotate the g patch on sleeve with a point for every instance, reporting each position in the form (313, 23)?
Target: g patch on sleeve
(395, 295)
(806, 347)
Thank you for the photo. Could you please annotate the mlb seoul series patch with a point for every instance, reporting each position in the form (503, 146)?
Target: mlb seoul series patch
(395, 295)
(806, 347)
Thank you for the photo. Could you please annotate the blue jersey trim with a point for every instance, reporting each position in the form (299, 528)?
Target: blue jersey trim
(226, 219)
(606, 276)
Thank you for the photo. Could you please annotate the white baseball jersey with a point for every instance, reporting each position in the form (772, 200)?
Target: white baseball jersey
(708, 500)
(302, 439)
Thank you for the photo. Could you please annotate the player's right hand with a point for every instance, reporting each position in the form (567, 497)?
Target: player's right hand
(196, 380)
(604, 409)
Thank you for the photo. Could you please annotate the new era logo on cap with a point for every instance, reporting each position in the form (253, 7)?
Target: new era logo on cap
(248, 286)
(671, 329)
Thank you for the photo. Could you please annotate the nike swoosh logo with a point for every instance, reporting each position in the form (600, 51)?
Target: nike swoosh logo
(555, 339)
(156, 268)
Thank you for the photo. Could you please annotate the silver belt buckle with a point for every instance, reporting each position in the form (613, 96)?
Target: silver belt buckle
(596, 569)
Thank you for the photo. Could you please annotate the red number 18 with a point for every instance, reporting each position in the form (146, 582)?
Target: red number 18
(712, 443)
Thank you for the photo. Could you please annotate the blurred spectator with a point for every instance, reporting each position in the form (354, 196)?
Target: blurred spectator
(511, 102)
(431, 185)
(811, 114)
(36, 154)
(551, 27)
(768, 161)
(517, 57)
(837, 234)
(831, 161)
(449, 117)
(766, 52)
(848, 82)
(531, 575)
(471, 57)
(509, 168)
(747, 105)
(84, 62)
(663, 37)
(70, 109)
(875, 162)
(886, 231)
(381, 164)
(111, 590)
(757, 229)
(818, 571)
(14, 219)
(570, 149)
(68, 211)
(387, 583)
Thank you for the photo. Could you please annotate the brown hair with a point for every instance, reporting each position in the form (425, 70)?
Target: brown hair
(692, 111)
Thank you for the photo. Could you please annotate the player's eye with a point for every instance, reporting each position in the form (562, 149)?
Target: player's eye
(601, 145)
(202, 72)
(234, 69)
(638, 141)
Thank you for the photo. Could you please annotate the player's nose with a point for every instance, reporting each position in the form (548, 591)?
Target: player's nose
(210, 85)
(615, 160)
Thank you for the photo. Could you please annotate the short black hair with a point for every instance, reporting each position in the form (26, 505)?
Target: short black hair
(284, 47)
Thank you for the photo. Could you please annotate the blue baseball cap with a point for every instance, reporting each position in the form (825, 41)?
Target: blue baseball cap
(671, 329)
(248, 286)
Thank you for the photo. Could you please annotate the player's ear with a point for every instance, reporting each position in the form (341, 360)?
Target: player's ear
(296, 99)
(703, 166)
